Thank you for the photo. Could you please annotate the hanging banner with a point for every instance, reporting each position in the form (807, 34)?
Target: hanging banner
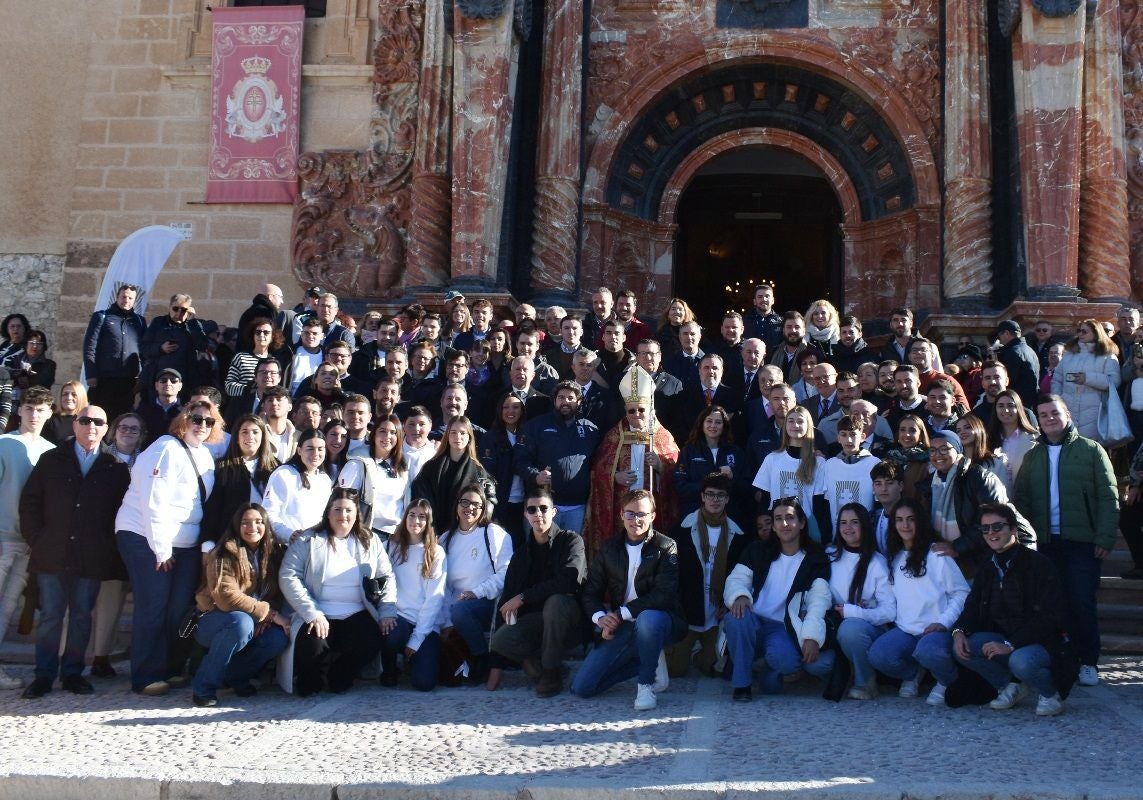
(255, 86)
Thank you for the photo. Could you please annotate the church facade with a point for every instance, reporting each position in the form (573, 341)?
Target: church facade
(964, 158)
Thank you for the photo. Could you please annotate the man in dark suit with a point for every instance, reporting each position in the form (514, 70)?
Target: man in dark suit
(709, 391)
(268, 373)
(826, 401)
(684, 363)
(521, 374)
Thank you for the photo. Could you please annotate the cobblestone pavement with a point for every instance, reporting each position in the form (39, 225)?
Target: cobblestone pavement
(469, 743)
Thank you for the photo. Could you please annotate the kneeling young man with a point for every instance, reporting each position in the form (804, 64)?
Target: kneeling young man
(638, 574)
(1012, 618)
(539, 616)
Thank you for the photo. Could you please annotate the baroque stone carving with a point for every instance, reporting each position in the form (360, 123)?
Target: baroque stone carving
(1057, 8)
(351, 214)
(481, 9)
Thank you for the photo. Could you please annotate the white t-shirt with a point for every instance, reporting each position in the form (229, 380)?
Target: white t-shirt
(778, 476)
(848, 483)
(771, 602)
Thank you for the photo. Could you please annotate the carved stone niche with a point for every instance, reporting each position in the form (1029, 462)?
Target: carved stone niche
(347, 231)
(341, 37)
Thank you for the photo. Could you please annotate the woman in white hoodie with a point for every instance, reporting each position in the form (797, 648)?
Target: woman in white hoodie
(859, 583)
(157, 530)
(1086, 373)
(930, 592)
(419, 569)
(297, 492)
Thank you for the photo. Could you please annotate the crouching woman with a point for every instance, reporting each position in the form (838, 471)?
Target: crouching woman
(339, 582)
(242, 626)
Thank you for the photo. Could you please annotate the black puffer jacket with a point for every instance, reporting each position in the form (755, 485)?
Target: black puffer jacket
(1026, 606)
(656, 580)
(111, 346)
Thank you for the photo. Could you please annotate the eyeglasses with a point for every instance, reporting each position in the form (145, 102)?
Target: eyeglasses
(1043, 330)
(995, 527)
(709, 495)
(941, 451)
(474, 504)
(263, 333)
(538, 509)
(129, 429)
(198, 419)
(168, 379)
(96, 421)
(636, 514)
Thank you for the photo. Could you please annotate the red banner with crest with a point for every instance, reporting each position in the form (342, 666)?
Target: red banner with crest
(255, 88)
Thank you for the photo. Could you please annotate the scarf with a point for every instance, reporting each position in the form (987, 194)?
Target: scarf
(826, 334)
(907, 455)
(718, 571)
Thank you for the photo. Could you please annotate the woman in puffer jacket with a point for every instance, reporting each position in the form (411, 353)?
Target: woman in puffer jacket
(1087, 371)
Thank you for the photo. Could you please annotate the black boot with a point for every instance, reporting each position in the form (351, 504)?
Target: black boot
(478, 669)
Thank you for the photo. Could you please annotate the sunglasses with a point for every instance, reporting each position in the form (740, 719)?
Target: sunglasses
(178, 309)
(96, 421)
(168, 379)
(263, 333)
(198, 419)
(995, 527)
(538, 509)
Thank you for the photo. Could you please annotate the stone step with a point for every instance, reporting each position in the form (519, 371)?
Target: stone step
(1121, 618)
(1121, 644)
(1120, 590)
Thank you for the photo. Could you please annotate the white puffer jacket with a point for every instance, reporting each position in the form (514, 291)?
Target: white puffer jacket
(1084, 400)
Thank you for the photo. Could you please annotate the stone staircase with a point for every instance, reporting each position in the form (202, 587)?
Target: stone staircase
(1120, 604)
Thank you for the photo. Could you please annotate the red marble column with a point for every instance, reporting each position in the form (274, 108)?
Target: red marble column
(1048, 64)
(556, 213)
(427, 263)
(1131, 26)
(968, 153)
(483, 77)
(1104, 270)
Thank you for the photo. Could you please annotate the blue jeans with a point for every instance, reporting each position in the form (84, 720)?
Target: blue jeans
(1031, 664)
(473, 620)
(854, 638)
(571, 519)
(901, 655)
(751, 636)
(423, 664)
(161, 601)
(633, 651)
(234, 654)
(59, 595)
(1079, 578)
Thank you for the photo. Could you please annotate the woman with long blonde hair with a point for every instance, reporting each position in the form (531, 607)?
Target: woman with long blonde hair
(796, 470)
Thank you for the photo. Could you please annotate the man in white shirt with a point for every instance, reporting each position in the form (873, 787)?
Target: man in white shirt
(418, 447)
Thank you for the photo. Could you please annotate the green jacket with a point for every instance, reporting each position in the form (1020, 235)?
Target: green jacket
(1089, 505)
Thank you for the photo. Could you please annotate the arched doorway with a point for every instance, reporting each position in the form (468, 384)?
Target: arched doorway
(752, 214)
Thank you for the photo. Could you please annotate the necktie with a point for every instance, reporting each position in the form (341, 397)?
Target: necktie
(709, 396)
(824, 406)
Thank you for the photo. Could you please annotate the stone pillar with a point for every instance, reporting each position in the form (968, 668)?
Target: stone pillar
(431, 214)
(968, 154)
(484, 73)
(1047, 57)
(556, 215)
(1104, 270)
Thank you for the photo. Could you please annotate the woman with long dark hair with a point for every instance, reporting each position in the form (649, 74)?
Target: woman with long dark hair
(930, 592)
(496, 456)
(862, 596)
(338, 580)
(1086, 373)
(711, 448)
(241, 475)
(298, 490)
(242, 626)
(419, 569)
(14, 329)
(381, 477)
(910, 451)
(336, 444)
(1011, 429)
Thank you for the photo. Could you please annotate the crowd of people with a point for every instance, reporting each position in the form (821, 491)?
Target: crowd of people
(446, 496)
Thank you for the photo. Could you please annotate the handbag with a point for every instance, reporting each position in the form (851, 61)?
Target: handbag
(189, 623)
(1113, 428)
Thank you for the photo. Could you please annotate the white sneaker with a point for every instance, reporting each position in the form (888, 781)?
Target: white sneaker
(9, 682)
(1009, 696)
(662, 677)
(1089, 675)
(1049, 706)
(909, 688)
(936, 696)
(645, 697)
